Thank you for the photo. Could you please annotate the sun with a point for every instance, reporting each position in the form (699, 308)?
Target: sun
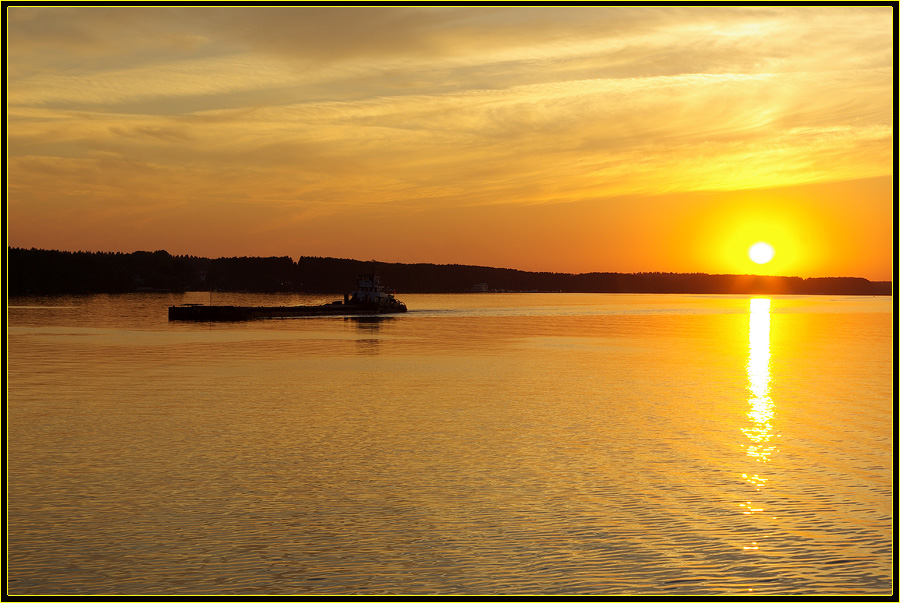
(761, 252)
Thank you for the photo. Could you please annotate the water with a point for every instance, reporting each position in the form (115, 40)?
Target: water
(494, 444)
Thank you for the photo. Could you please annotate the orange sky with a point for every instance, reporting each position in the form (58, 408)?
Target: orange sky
(567, 139)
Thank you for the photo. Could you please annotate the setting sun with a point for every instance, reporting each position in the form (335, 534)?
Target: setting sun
(228, 131)
(761, 253)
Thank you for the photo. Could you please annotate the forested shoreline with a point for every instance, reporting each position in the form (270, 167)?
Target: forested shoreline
(47, 272)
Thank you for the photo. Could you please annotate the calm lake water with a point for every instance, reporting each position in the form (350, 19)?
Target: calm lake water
(496, 444)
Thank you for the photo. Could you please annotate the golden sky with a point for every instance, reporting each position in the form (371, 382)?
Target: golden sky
(565, 139)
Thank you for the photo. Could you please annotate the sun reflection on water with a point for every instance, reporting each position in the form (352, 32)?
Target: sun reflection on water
(762, 409)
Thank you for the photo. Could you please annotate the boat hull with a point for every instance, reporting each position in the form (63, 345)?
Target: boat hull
(199, 313)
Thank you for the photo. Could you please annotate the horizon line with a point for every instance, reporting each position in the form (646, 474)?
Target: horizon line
(8, 248)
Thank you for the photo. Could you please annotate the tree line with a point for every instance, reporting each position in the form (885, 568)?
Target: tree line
(44, 272)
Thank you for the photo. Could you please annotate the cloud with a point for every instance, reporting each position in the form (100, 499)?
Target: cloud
(448, 105)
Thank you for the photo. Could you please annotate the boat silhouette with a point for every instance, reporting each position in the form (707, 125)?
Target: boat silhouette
(370, 297)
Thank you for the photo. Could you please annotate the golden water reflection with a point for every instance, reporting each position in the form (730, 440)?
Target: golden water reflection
(762, 409)
(759, 432)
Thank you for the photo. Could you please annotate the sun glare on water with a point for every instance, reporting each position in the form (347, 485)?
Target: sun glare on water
(761, 253)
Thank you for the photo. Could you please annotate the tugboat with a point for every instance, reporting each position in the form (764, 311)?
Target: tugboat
(369, 298)
(371, 294)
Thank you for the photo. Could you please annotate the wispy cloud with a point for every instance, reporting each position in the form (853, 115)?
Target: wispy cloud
(317, 108)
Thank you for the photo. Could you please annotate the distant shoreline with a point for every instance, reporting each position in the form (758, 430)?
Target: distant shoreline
(47, 272)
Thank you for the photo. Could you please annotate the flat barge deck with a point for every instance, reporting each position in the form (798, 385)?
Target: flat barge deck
(369, 298)
(200, 313)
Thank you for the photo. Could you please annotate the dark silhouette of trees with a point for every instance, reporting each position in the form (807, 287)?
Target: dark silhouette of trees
(38, 272)
(252, 274)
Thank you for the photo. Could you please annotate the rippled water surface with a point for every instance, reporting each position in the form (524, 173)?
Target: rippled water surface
(479, 444)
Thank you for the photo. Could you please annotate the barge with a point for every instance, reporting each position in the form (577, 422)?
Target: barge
(369, 298)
